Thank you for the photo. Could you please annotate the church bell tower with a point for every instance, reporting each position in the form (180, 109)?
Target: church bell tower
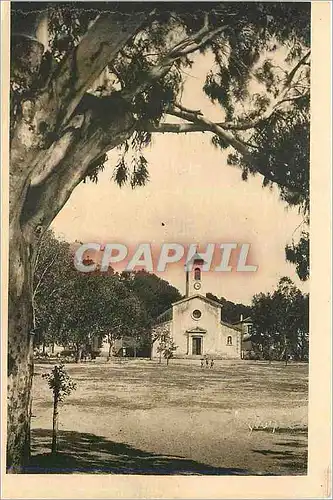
(193, 271)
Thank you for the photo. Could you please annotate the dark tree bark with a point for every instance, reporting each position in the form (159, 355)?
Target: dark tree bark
(55, 426)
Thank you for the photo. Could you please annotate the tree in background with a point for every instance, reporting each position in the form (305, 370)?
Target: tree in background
(298, 254)
(231, 312)
(89, 78)
(127, 316)
(169, 350)
(127, 319)
(75, 309)
(292, 319)
(264, 322)
(155, 293)
(63, 302)
(281, 322)
(53, 271)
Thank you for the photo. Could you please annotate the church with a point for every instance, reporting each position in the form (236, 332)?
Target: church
(195, 322)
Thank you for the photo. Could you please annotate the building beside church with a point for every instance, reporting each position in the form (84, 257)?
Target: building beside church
(195, 322)
(246, 325)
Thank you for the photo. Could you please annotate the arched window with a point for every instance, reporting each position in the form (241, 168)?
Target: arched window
(229, 340)
(197, 274)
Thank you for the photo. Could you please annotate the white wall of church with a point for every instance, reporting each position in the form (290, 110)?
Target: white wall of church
(232, 350)
(214, 341)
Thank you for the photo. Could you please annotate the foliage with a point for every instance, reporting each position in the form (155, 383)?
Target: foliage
(260, 80)
(156, 294)
(231, 312)
(59, 382)
(281, 322)
(166, 346)
(169, 349)
(53, 270)
(240, 60)
(298, 254)
(74, 309)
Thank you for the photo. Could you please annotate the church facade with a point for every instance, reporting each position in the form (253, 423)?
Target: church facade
(195, 323)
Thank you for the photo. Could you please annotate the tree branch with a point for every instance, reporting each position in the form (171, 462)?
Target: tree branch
(195, 41)
(200, 127)
(186, 46)
(60, 182)
(216, 129)
(281, 98)
(44, 118)
(176, 128)
(106, 37)
(38, 253)
(47, 267)
(200, 122)
(293, 72)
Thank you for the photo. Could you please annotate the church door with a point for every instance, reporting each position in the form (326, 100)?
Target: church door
(196, 346)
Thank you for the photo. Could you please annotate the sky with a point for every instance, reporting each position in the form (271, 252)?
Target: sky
(193, 196)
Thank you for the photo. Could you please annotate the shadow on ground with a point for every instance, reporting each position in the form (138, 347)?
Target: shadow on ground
(295, 458)
(88, 453)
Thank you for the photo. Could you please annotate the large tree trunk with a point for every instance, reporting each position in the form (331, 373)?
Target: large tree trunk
(55, 137)
(20, 352)
(32, 210)
(31, 214)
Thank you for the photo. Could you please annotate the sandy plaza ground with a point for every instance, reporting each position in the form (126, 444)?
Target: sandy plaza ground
(140, 417)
